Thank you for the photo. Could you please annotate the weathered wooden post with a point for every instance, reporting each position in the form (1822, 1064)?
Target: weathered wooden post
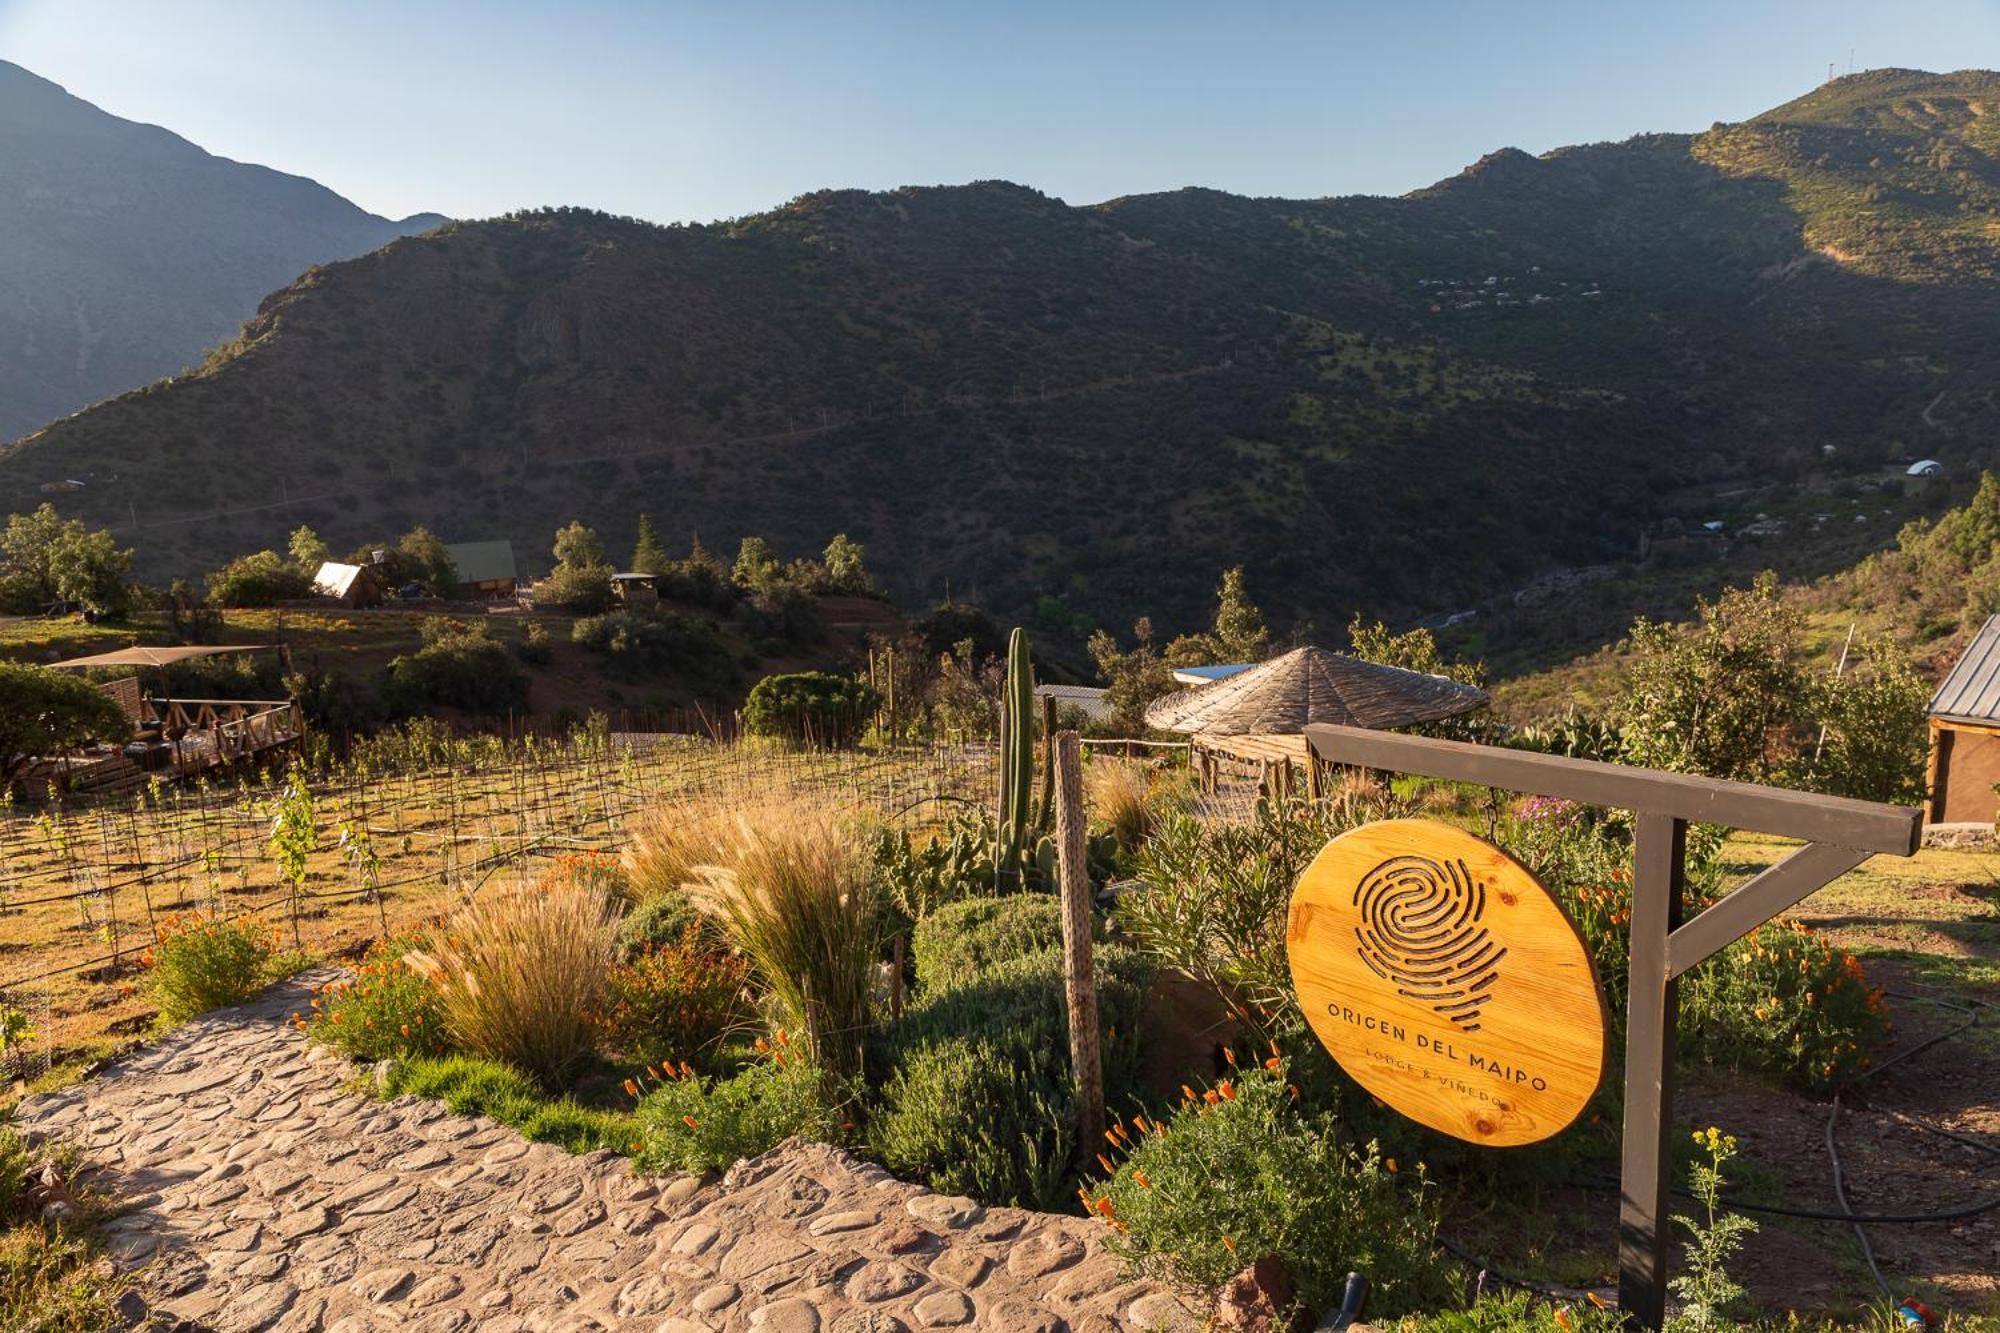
(1079, 980)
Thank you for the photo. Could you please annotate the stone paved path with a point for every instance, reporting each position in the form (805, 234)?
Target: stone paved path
(262, 1195)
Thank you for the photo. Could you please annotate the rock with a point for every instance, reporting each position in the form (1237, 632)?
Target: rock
(1256, 1298)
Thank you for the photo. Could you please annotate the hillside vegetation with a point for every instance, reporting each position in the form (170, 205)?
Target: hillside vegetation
(125, 250)
(1392, 405)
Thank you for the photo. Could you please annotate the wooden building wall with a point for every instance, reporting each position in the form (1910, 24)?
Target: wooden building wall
(1965, 765)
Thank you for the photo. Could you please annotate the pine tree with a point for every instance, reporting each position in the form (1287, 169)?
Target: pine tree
(648, 556)
(1239, 626)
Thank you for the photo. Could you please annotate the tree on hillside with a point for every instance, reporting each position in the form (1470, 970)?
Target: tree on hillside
(263, 579)
(1133, 677)
(1239, 633)
(1722, 695)
(47, 561)
(578, 547)
(45, 713)
(756, 565)
(844, 570)
(430, 561)
(582, 579)
(1239, 626)
(307, 550)
(1413, 650)
(1873, 738)
(648, 556)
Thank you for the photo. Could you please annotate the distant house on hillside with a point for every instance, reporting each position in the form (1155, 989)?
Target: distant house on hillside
(352, 586)
(1927, 467)
(636, 589)
(1087, 699)
(485, 569)
(1965, 735)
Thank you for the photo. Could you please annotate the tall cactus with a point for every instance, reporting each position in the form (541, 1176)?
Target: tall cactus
(1017, 763)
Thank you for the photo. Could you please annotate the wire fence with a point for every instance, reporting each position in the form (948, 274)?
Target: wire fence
(86, 888)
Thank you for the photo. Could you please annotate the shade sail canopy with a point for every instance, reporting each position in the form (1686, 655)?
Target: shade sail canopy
(156, 657)
(1282, 696)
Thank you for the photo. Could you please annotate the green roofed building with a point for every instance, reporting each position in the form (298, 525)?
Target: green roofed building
(485, 569)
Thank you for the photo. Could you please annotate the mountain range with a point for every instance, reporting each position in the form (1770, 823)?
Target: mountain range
(126, 252)
(1395, 405)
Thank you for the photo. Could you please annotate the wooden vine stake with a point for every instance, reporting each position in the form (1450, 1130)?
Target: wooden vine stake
(1079, 981)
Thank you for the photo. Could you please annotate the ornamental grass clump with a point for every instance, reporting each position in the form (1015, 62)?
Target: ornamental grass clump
(1116, 794)
(1237, 1173)
(796, 890)
(521, 977)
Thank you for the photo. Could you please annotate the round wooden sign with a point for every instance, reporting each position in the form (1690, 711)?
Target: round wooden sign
(1447, 981)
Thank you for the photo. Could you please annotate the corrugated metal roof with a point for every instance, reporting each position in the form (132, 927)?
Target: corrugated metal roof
(1971, 693)
(482, 562)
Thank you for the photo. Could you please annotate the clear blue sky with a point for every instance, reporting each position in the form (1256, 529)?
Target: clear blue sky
(683, 111)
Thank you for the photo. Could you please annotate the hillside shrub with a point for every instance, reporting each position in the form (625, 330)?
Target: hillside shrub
(692, 1123)
(779, 618)
(809, 707)
(461, 665)
(519, 976)
(202, 963)
(676, 1000)
(1237, 1172)
(1781, 1002)
(637, 644)
(957, 942)
(977, 1096)
(386, 1011)
(263, 579)
(582, 590)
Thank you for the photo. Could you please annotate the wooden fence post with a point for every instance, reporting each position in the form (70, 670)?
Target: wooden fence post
(1079, 983)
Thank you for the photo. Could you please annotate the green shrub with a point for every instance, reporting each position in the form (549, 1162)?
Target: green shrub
(689, 1123)
(1781, 1002)
(1238, 1172)
(201, 964)
(461, 665)
(638, 644)
(977, 1095)
(386, 1011)
(811, 707)
(15, 1162)
(661, 921)
(957, 941)
(1514, 1312)
(582, 590)
(533, 645)
(676, 999)
(468, 1085)
(263, 579)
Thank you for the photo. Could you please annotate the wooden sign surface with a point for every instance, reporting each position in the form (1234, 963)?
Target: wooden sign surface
(1447, 981)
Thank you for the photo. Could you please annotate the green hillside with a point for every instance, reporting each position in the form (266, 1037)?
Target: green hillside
(1401, 406)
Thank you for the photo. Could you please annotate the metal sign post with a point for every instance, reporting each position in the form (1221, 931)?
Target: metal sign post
(1839, 835)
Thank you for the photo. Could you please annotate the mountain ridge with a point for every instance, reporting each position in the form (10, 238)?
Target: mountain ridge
(126, 251)
(1089, 409)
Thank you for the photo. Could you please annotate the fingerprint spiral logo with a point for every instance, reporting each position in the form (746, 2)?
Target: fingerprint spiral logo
(1420, 932)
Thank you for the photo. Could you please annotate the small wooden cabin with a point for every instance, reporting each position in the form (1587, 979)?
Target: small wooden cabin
(636, 589)
(1965, 735)
(353, 586)
(485, 569)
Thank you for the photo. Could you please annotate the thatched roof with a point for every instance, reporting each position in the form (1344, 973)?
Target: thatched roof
(1281, 696)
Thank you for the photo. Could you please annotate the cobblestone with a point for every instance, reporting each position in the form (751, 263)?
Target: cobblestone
(261, 1194)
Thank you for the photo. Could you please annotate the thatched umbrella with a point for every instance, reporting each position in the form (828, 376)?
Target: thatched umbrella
(1281, 696)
